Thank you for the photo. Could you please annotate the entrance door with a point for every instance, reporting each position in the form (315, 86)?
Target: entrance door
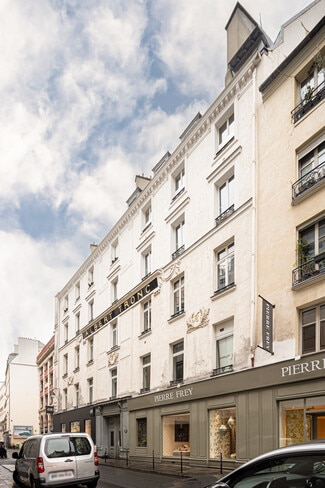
(113, 436)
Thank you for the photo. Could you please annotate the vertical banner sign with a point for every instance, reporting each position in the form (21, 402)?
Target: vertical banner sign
(267, 325)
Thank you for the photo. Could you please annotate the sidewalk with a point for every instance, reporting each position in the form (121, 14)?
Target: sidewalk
(169, 468)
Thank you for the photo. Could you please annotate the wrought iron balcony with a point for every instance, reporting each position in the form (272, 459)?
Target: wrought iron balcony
(310, 101)
(178, 252)
(144, 390)
(224, 215)
(308, 180)
(180, 381)
(308, 270)
(224, 369)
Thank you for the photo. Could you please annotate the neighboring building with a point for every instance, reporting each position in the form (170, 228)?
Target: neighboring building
(159, 341)
(21, 392)
(3, 409)
(47, 392)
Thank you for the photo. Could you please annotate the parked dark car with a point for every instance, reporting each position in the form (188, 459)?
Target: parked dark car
(297, 466)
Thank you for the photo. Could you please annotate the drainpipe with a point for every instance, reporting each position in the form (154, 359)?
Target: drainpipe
(253, 223)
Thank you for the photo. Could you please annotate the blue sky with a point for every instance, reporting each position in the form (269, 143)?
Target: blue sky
(92, 93)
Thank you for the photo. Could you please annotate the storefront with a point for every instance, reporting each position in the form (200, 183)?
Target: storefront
(232, 417)
(76, 420)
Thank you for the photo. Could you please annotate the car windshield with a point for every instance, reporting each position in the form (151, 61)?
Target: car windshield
(294, 471)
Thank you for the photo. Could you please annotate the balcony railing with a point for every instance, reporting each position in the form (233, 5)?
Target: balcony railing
(144, 390)
(179, 251)
(308, 180)
(308, 270)
(223, 369)
(310, 101)
(224, 215)
(180, 381)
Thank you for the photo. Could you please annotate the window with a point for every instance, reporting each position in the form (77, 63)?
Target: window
(90, 277)
(114, 334)
(91, 310)
(313, 329)
(65, 398)
(90, 390)
(114, 286)
(76, 393)
(224, 347)
(142, 432)
(313, 239)
(146, 360)
(147, 262)
(66, 332)
(90, 350)
(66, 304)
(77, 322)
(226, 194)
(311, 167)
(225, 267)
(314, 159)
(65, 364)
(179, 181)
(77, 291)
(313, 82)
(226, 131)
(147, 215)
(147, 316)
(178, 296)
(114, 251)
(178, 236)
(178, 362)
(222, 434)
(77, 357)
(114, 382)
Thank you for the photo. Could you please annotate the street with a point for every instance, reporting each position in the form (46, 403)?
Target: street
(112, 477)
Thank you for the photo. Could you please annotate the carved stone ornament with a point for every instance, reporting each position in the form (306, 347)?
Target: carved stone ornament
(112, 358)
(168, 275)
(198, 320)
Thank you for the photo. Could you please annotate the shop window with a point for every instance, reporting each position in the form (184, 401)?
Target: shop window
(225, 272)
(88, 426)
(75, 426)
(313, 329)
(301, 420)
(142, 432)
(222, 433)
(176, 435)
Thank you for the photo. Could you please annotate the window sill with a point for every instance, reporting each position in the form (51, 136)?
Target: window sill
(176, 315)
(223, 291)
(145, 333)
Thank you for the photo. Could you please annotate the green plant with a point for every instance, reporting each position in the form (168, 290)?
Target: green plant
(302, 250)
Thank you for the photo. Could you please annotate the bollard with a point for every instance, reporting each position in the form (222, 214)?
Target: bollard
(153, 460)
(221, 463)
(181, 462)
(127, 458)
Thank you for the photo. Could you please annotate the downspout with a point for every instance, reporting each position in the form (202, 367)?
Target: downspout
(253, 223)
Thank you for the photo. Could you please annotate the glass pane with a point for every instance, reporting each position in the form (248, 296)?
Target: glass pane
(308, 339)
(225, 351)
(309, 316)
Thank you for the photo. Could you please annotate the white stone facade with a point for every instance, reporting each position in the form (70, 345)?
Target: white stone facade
(170, 297)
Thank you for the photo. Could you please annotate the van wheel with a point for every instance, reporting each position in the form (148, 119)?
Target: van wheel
(32, 482)
(93, 484)
(16, 478)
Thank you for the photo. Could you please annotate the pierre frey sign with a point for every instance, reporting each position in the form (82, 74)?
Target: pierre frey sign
(124, 304)
(303, 367)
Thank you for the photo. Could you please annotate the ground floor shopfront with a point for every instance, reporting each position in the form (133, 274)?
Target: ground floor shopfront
(232, 417)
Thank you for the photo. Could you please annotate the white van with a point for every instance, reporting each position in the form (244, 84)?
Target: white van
(58, 459)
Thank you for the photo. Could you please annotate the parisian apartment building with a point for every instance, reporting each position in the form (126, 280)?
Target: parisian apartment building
(19, 394)
(196, 327)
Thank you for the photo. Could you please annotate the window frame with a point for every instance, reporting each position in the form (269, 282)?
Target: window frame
(178, 294)
(318, 327)
(178, 361)
(227, 262)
